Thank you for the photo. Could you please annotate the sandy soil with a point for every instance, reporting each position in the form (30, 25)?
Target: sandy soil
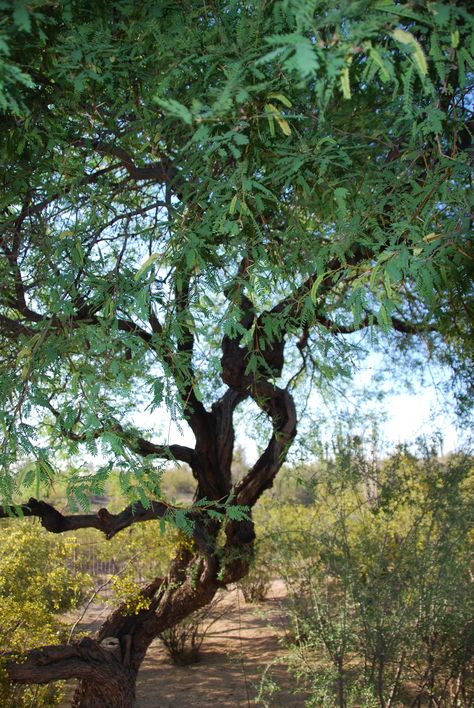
(236, 651)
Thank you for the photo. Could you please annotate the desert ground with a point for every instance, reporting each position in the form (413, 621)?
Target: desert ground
(243, 643)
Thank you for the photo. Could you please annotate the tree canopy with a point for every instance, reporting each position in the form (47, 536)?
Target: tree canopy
(194, 192)
(203, 201)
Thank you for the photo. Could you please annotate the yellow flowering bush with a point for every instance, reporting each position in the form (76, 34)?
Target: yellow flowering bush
(127, 592)
(38, 580)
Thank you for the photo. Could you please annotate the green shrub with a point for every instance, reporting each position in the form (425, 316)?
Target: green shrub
(38, 580)
(256, 584)
(380, 602)
(178, 483)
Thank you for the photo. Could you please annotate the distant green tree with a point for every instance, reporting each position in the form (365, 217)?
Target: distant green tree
(202, 201)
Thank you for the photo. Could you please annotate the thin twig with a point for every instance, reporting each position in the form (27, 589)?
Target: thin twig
(94, 595)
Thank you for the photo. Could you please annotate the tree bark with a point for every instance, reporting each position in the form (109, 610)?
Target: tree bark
(106, 691)
(107, 664)
(191, 583)
(105, 681)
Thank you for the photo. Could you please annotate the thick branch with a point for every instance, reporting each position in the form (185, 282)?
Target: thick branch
(398, 325)
(223, 411)
(166, 452)
(199, 419)
(279, 404)
(9, 327)
(110, 524)
(411, 327)
(84, 660)
(161, 171)
(340, 328)
(86, 312)
(106, 679)
(140, 445)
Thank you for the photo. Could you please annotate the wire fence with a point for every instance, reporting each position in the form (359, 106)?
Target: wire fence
(87, 559)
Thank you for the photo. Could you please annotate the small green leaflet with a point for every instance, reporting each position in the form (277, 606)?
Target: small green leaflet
(21, 17)
(197, 392)
(146, 265)
(183, 522)
(316, 285)
(78, 253)
(46, 468)
(388, 285)
(175, 108)
(345, 84)
(237, 513)
(298, 52)
(114, 441)
(282, 98)
(377, 59)
(383, 317)
(215, 514)
(273, 112)
(418, 54)
(340, 194)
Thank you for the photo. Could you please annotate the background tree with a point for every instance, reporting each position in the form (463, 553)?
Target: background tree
(201, 202)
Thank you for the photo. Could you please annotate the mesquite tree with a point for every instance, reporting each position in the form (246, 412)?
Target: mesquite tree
(203, 202)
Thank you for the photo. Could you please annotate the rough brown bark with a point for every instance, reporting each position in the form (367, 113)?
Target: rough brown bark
(107, 664)
(105, 681)
(190, 584)
(106, 692)
(107, 678)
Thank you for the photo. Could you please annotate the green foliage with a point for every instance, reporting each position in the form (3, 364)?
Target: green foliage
(256, 584)
(38, 580)
(139, 554)
(36, 565)
(379, 580)
(152, 149)
(179, 483)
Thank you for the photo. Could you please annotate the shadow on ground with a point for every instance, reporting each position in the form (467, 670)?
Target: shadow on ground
(240, 646)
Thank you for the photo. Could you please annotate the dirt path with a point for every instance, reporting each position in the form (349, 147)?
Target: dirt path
(236, 651)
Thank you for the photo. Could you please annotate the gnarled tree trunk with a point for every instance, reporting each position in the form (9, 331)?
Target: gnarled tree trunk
(107, 664)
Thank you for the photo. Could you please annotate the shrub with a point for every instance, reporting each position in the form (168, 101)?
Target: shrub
(380, 600)
(256, 584)
(183, 641)
(178, 482)
(38, 580)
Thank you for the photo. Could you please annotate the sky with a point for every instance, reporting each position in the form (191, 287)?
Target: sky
(407, 416)
(413, 406)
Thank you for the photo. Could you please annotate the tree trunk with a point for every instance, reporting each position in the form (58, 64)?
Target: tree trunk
(107, 665)
(127, 637)
(106, 691)
(105, 681)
